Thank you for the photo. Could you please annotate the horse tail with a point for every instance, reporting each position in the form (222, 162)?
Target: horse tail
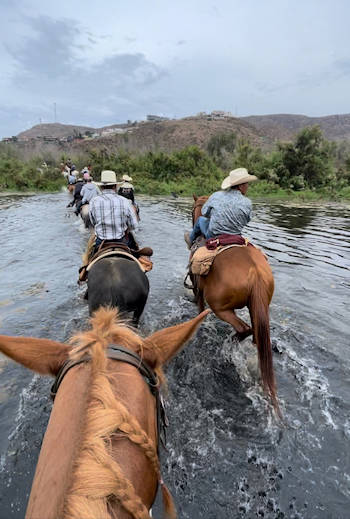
(259, 311)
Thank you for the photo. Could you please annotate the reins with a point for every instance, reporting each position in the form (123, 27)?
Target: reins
(116, 352)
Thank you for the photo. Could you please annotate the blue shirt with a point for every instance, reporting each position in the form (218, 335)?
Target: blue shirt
(229, 211)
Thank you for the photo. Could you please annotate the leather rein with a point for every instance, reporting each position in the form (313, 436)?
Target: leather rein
(116, 352)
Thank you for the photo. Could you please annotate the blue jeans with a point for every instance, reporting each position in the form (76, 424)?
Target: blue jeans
(200, 227)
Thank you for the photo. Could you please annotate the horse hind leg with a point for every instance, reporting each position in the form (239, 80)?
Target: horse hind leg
(243, 329)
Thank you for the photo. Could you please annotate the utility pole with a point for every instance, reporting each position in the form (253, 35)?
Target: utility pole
(54, 110)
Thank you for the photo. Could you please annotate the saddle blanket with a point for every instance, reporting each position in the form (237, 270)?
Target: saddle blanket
(115, 249)
(202, 259)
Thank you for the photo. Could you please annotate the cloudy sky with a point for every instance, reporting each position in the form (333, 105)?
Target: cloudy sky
(103, 62)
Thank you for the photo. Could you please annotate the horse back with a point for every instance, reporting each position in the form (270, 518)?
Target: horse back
(233, 274)
(117, 281)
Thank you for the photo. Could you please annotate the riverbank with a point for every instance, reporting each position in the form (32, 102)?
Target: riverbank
(259, 191)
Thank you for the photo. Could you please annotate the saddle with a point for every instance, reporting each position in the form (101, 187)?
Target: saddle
(203, 257)
(226, 239)
(140, 256)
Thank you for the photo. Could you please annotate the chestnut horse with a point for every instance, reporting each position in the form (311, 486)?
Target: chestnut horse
(99, 456)
(239, 277)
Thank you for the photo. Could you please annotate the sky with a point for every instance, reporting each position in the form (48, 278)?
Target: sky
(103, 62)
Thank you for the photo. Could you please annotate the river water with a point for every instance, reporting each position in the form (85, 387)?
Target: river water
(227, 457)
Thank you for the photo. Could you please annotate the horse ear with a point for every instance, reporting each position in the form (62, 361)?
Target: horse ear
(163, 345)
(195, 197)
(40, 355)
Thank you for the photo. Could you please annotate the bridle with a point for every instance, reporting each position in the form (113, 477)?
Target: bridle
(116, 352)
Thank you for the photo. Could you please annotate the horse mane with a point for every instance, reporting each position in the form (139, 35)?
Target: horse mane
(97, 479)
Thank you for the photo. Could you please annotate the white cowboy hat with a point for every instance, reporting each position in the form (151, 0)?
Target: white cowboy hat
(236, 177)
(127, 178)
(108, 178)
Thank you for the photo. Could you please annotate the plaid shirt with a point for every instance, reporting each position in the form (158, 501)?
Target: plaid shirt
(112, 215)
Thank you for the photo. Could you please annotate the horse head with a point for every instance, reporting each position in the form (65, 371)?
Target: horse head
(99, 456)
(199, 201)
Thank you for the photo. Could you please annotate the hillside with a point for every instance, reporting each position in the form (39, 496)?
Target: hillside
(174, 134)
(263, 131)
(285, 126)
(56, 130)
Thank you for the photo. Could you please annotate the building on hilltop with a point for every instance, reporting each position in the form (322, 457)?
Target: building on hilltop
(111, 131)
(220, 114)
(156, 118)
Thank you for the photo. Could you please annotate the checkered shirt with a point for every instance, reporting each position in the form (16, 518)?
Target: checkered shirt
(112, 215)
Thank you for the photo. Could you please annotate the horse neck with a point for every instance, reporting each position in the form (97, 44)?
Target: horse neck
(122, 411)
(71, 422)
(197, 211)
(60, 444)
(197, 208)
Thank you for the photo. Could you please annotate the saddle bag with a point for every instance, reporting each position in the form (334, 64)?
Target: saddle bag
(201, 261)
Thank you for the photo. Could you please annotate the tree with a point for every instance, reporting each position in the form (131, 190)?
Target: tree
(308, 162)
(221, 146)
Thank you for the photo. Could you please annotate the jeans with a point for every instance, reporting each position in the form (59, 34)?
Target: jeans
(200, 227)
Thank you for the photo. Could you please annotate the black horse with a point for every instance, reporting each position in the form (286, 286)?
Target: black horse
(118, 281)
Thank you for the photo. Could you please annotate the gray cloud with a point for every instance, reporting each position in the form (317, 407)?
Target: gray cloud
(52, 66)
(103, 69)
(342, 67)
(49, 52)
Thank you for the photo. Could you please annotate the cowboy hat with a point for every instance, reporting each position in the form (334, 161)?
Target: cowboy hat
(127, 178)
(108, 178)
(236, 177)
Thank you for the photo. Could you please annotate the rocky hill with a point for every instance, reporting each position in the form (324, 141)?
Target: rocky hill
(57, 130)
(175, 134)
(170, 135)
(285, 126)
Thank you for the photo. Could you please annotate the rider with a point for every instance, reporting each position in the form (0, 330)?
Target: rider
(87, 193)
(71, 178)
(126, 189)
(77, 192)
(112, 215)
(226, 211)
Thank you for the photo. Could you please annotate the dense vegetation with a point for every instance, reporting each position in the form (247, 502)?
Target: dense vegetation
(27, 175)
(310, 167)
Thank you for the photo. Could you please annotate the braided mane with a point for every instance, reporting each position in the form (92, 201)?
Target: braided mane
(98, 480)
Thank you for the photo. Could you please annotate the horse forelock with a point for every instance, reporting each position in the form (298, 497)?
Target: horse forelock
(109, 328)
(97, 478)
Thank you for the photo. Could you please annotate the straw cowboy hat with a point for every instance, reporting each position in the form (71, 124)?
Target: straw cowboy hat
(108, 178)
(236, 177)
(127, 178)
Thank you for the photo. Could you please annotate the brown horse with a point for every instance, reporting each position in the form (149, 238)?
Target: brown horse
(99, 455)
(239, 277)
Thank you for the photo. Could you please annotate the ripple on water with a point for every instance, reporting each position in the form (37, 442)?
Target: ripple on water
(227, 456)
